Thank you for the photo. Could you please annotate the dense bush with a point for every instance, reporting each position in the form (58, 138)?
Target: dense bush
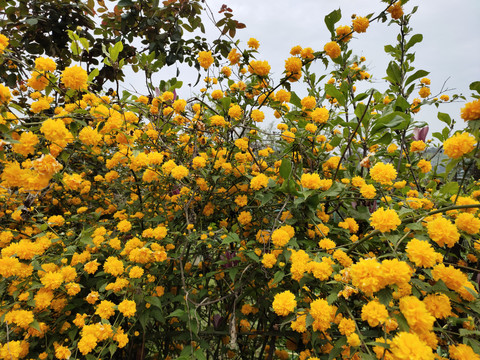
(156, 227)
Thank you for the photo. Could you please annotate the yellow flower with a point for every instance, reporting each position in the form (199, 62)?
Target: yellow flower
(385, 220)
(3, 43)
(443, 232)
(179, 172)
(253, 43)
(234, 56)
(128, 308)
(459, 145)
(453, 278)
(205, 59)
(259, 67)
(310, 181)
(408, 346)
(366, 276)
(269, 260)
(284, 303)
(235, 112)
(307, 53)
(45, 64)
(332, 49)
(322, 314)
(462, 352)
(349, 224)
(418, 318)
(259, 181)
(360, 24)
(300, 324)
(288, 136)
(344, 33)
(136, 272)
(468, 222)
(244, 218)
(113, 266)
(471, 111)
(374, 313)
(320, 115)
(124, 226)
(105, 309)
(424, 92)
(438, 305)
(75, 78)
(346, 326)
(353, 340)
(424, 165)
(421, 253)
(396, 10)
(87, 343)
(62, 353)
(383, 173)
(417, 146)
(5, 94)
(280, 237)
(52, 280)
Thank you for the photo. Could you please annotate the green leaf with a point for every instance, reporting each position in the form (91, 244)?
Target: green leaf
(115, 51)
(125, 3)
(337, 349)
(394, 120)
(154, 300)
(295, 100)
(32, 21)
(285, 168)
(112, 348)
(414, 40)
(394, 73)
(331, 19)
(278, 277)
(445, 118)
(200, 355)
(475, 86)
(93, 74)
(331, 90)
(177, 313)
(417, 75)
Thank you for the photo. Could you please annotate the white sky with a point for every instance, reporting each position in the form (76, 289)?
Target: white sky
(450, 49)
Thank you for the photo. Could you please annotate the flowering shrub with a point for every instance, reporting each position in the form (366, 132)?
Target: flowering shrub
(160, 227)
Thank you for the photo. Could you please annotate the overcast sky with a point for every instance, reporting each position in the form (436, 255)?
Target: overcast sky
(450, 49)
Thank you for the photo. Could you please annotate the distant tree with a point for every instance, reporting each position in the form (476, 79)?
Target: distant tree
(41, 27)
